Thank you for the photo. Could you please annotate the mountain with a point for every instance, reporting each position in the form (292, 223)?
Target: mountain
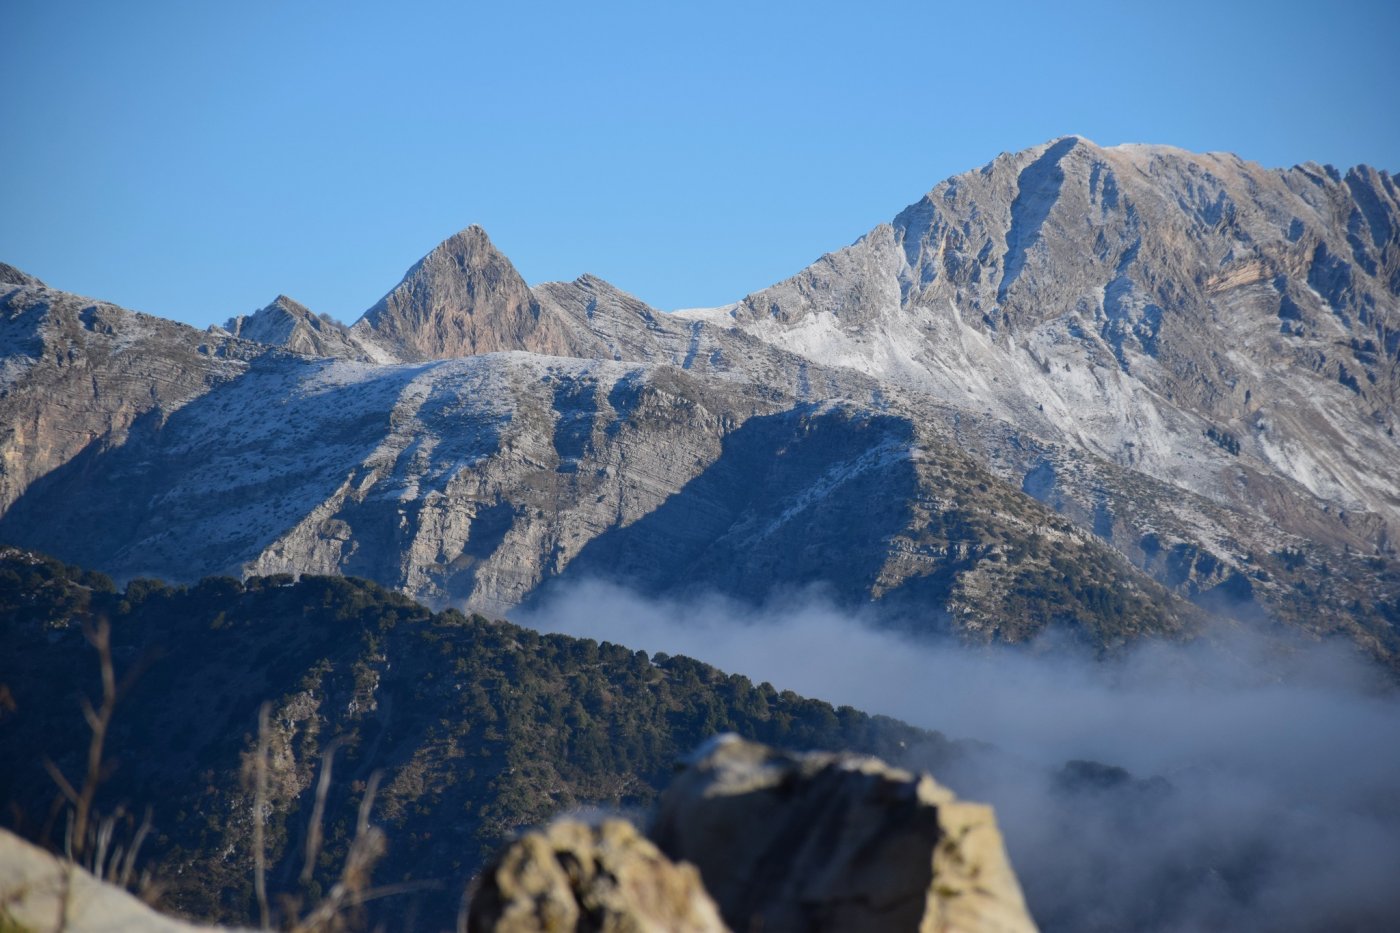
(9, 275)
(1228, 329)
(291, 325)
(1112, 389)
(461, 299)
(470, 728)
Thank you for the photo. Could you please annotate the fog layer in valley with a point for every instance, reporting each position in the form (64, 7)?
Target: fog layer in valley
(1252, 784)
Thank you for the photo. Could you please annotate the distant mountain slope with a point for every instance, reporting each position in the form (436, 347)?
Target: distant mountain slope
(476, 480)
(1226, 328)
(1078, 386)
(77, 374)
(476, 727)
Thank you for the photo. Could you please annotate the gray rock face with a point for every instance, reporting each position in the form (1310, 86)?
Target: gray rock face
(78, 375)
(836, 842)
(1080, 385)
(463, 298)
(288, 324)
(478, 480)
(1229, 330)
(9, 275)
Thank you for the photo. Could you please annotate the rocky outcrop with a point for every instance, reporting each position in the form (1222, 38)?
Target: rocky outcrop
(836, 842)
(41, 892)
(572, 876)
(9, 275)
(291, 325)
(78, 376)
(463, 298)
(782, 841)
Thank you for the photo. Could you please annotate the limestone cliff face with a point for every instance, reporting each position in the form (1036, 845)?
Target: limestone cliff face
(478, 481)
(463, 298)
(1231, 330)
(77, 375)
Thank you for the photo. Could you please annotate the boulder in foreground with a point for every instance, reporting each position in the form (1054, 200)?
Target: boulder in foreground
(782, 842)
(572, 876)
(818, 841)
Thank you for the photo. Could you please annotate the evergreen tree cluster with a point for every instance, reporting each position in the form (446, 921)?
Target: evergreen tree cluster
(470, 728)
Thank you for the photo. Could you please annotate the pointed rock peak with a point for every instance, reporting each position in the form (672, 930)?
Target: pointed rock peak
(289, 306)
(9, 275)
(286, 322)
(461, 299)
(466, 251)
(279, 315)
(468, 240)
(462, 257)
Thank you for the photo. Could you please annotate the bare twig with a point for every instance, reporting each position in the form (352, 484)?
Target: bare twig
(353, 887)
(62, 782)
(318, 811)
(259, 815)
(129, 863)
(104, 839)
(98, 719)
(389, 890)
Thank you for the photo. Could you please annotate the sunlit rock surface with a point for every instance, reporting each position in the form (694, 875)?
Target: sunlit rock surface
(571, 876)
(1106, 388)
(817, 841)
(41, 892)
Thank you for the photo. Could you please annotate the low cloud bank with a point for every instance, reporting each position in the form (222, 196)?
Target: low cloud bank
(1259, 784)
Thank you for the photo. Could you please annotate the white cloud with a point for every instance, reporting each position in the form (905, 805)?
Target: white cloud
(1281, 807)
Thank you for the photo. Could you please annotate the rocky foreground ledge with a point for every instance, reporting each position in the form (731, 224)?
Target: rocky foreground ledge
(772, 841)
(746, 838)
(40, 893)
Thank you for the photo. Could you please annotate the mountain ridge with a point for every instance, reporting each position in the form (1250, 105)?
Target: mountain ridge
(1188, 357)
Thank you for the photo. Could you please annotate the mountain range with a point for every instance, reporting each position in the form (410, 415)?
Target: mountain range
(1112, 390)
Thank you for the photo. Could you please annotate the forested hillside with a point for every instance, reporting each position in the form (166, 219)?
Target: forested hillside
(469, 728)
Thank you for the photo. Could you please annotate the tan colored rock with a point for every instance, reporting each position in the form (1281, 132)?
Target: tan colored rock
(41, 892)
(461, 299)
(831, 842)
(608, 878)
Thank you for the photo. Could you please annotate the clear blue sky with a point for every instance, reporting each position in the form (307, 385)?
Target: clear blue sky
(194, 159)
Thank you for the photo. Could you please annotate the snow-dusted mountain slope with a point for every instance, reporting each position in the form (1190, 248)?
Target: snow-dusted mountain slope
(1228, 329)
(1099, 387)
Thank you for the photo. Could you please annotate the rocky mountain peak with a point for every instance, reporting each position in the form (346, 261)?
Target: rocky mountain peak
(463, 298)
(279, 314)
(9, 275)
(287, 323)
